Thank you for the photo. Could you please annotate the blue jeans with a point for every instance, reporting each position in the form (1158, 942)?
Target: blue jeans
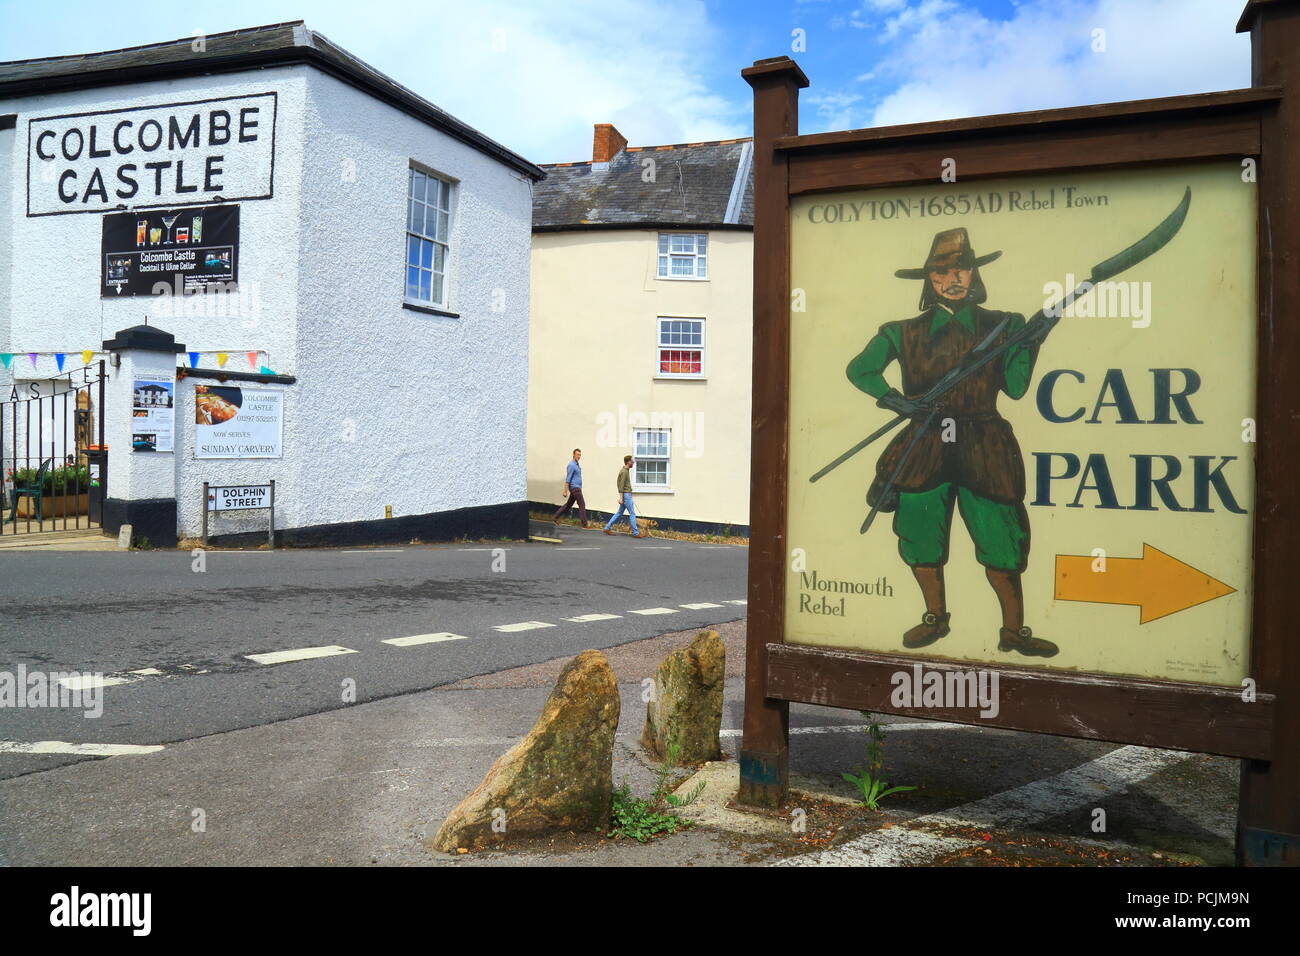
(624, 505)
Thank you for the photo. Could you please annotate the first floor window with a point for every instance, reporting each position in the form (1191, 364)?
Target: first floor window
(681, 348)
(428, 228)
(683, 255)
(652, 448)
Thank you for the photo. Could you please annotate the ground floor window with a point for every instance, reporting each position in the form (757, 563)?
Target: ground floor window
(652, 448)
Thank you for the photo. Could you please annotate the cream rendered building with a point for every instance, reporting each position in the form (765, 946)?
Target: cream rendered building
(641, 329)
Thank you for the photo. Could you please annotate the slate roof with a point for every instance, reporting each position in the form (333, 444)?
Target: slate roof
(695, 185)
(276, 44)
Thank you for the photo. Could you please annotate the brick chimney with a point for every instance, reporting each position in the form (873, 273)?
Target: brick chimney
(607, 143)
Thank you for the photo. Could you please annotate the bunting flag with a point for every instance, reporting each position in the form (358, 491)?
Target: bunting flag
(86, 356)
(252, 359)
(221, 359)
(32, 356)
(265, 371)
(58, 359)
(194, 360)
(6, 357)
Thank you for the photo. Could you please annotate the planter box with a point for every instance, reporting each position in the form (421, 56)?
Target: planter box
(54, 506)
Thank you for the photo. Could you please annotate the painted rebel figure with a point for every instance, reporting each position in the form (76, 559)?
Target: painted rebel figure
(970, 462)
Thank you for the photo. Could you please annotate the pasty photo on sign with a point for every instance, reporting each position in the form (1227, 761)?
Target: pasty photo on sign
(238, 422)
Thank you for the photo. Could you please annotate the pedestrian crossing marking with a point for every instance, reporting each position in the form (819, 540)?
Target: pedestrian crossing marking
(522, 626)
(586, 618)
(699, 607)
(656, 610)
(299, 654)
(424, 639)
(90, 682)
(83, 750)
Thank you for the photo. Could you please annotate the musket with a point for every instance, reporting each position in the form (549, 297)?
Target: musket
(976, 359)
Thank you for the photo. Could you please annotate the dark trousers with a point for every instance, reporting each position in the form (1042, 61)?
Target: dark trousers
(575, 494)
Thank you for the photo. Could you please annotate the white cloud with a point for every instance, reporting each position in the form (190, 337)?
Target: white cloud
(555, 72)
(948, 60)
(832, 106)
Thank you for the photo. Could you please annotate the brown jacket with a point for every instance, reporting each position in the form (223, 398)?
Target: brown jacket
(624, 481)
(985, 457)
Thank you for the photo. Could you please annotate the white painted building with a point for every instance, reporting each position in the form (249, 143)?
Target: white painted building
(382, 258)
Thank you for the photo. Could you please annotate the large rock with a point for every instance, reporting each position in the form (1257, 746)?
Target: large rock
(559, 777)
(687, 706)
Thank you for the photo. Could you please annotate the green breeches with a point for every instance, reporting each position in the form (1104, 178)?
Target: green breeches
(923, 522)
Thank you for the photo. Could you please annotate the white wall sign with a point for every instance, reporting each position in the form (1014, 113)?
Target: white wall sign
(238, 497)
(238, 422)
(175, 154)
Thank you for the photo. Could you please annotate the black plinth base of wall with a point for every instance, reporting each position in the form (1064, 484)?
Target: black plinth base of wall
(684, 525)
(152, 518)
(493, 522)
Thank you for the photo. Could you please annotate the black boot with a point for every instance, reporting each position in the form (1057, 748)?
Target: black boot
(1024, 641)
(932, 627)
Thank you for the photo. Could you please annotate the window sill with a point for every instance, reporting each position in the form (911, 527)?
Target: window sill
(651, 490)
(681, 278)
(429, 310)
(681, 378)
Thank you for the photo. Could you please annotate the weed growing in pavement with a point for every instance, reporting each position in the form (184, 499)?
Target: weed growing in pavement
(643, 820)
(868, 778)
(142, 544)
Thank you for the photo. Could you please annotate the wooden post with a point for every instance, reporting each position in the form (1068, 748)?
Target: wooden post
(1268, 821)
(205, 514)
(764, 748)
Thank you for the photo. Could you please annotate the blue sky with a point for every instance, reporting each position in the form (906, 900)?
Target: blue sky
(536, 76)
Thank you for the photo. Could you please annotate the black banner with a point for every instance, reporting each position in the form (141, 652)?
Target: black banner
(182, 251)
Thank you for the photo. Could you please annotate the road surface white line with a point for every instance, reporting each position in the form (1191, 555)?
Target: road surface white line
(655, 610)
(585, 618)
(299, 654)
(655, 547)
(1042, 799)
(86, 750)
(147, 672)
(582, 549)
(375, 551)
(484, 549)
(425, 639)
(91, 681)
(522, 626)
(737, 602)
(845, 728)
(698, 607)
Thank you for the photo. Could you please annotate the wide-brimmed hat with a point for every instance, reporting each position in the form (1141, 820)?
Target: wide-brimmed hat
(950, 248)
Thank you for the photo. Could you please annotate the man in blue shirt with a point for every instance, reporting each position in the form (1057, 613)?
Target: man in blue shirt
(573, 489)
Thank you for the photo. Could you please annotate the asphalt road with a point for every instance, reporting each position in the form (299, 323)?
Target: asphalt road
(114, 614)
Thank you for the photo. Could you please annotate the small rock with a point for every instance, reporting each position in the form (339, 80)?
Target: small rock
(686, 710)
(558, 777)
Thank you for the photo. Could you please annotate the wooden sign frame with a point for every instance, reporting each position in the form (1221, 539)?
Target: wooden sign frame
(1262, 123)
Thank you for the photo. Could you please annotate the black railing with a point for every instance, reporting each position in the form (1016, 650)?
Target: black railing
(52, 456)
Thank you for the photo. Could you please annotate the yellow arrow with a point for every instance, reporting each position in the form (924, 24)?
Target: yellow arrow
(1156, 582)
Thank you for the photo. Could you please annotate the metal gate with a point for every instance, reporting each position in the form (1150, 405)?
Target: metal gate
(52, 454)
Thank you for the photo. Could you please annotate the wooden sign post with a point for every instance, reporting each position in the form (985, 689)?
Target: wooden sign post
(1050, 350)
